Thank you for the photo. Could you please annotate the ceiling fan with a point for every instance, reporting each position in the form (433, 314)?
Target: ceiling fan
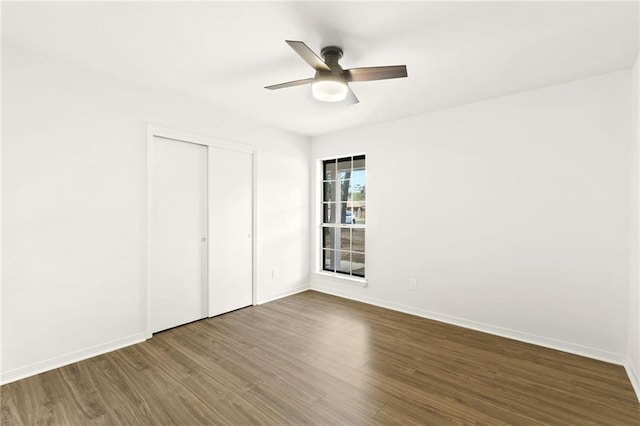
(331, 82)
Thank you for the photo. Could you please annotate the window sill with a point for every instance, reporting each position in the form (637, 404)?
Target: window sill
(362, 282)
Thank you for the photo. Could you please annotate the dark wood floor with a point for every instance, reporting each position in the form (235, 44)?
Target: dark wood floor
(317, 359)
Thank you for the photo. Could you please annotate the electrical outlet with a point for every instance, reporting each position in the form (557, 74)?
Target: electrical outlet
(274, 273)
(413, 284)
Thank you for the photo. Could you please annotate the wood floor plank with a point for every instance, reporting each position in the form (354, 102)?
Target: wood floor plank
(388, 415)
(345, 409)
(312, 358)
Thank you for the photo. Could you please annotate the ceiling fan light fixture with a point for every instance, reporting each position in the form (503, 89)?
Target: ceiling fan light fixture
(329, 89)
(330, 84)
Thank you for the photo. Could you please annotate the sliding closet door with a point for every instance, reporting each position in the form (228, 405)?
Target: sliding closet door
(178, 233)
(231, 229)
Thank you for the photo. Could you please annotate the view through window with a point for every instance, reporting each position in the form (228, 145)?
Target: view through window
(344, 215)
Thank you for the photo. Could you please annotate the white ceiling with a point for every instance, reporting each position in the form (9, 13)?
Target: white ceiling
(456, 53)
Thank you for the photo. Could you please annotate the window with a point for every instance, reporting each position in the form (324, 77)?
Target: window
(344, 215)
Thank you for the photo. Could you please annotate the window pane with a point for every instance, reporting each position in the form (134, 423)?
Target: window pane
(346, 215)
(357, 264)
(344, 189)
(344, 168)
(358, 209)
(329, 213)
(357, 190)
(357, 240)
(345, 262)
(328, 237)
(358, 163)
(359, 174)
(329, 169)
(345, 239)
(328, 260)
(329, 192)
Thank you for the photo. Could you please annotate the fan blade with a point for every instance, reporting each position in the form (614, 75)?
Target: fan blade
(290, 84)
(375, 73)
(351, 98)
(308, 55)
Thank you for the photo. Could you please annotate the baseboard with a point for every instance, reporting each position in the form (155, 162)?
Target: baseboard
(280, 295)
(634, 377)
(560, 345)
(60, 361)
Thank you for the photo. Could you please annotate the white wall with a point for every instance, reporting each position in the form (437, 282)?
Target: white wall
(512, 213)
(74, 204)
(634, 282)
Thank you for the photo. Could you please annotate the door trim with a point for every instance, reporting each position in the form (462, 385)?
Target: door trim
(181, 136)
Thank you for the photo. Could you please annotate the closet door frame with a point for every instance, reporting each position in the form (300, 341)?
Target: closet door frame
(178, 135)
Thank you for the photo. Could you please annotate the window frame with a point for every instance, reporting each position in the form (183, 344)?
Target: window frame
(321, 225)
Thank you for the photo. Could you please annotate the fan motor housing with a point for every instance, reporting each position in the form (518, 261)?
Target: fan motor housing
(331, 54)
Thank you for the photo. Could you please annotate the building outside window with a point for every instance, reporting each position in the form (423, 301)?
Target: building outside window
(344, 215)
